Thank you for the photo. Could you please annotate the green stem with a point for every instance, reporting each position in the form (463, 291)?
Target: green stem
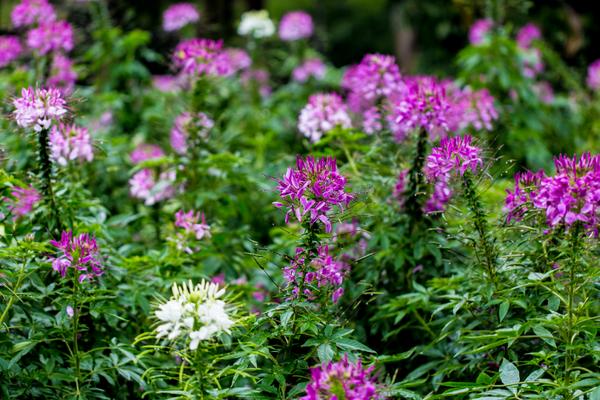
(76, 334)
(415, 177)
(16, 287)
(45, 170)
(575, 248)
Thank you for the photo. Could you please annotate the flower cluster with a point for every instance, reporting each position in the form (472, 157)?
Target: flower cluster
(313, 188)
(69, 143)
(473, 108)
(179, 15)
(400, 187)
(201, 57)
(311, 68)
(352, 239)
(185, 126)
(10, 49)
(22, 201)
(524, 192)
(257, 78)
(151, 186)
(342, 380)
(593, 75)
(533, 64)
(324, 112)
(165, 83)
(194, 226)
(62, 74)
(527, 34)
(309, 273)
(480, 30)
(237, 60)
(144, 152)
(29, 12)
(51, 36)
(295, 25)
(193, 312)
(256, 24)
(79, 253)
(37, 108)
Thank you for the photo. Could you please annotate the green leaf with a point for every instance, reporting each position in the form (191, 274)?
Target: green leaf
(509, 374)
(544, 334)
(351, 344)
(503, 310)
(325, 353)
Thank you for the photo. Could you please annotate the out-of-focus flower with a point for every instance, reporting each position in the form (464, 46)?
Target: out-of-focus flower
(165, 83)
(179, 15)
(62, 74)
(201, 57)
(342, 380)
(238, 60)
(144, 152)
(10, 49)
(375, 78)
(313, 188)
(533, 64)
(527, 35)
(79, 253)
(257, 78)
(69, 143)
(22, 201)
(352, 239)
(37, 108)
(593, 75)
(400, 187)
(185, 127)
(70, 312)
(256, 24)
(51, 36)
(311, 68)
(440, 196)
(29, 12)
(324, 112)
(480, 30)
(544, 91)
(152, 187)
(295, 25)
(474, 108)
(194, 226)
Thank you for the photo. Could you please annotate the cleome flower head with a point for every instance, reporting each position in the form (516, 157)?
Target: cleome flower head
(201, 57)
(37, 108)
(79, 253)
(185, 127)
(375, 78)
(593, 75)
(295, 25)
(526, 184)
(10, 49)
(69, 143)
(324, 112)
(152, 186)
(62, 74)
(51, 36)
(313, 188)
(452, 156)
(144, 152)
(256, 24)
(480, 30)
(22, 201)
(179, 15)
(311, 68)
(29, 12)
(193, 228)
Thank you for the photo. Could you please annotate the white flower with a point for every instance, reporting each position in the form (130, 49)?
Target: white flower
(172, 313)
(256, 24)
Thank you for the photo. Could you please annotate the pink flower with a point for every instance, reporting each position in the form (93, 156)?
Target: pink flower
(376, 77)
(237, 59)
(186, 126)
(10, 49)
(37, 108)
(179, 15)
(311, 68)
(527, 35)
(22, 201)
(152, 187)
(194, 228)
(70, 311)
(439, 198)
(479, 30)
(29, 12)
(144, 152)
(400, 187)
(526, 185)
(544, 91)
(165, 83)
(79, 253)
(62, 74)
(324, 112)
(69, 143)
(295, 25)
(454, 156)
(258, 79)
(473, 108)
(51, 36)
(343, 378)
(313, 188)
(593, 75)
(201, 57)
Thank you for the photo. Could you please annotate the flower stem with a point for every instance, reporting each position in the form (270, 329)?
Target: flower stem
(415, 177)
(76, 334)
(45, 169)
(575, 249)
(12, 298)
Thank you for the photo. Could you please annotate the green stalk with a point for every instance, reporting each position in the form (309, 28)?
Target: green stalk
(575, 250)
(16, 287)
(45, 170)
(75, 334)
(415, 177)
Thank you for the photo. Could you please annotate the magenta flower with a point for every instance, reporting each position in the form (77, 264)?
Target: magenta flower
(439, 198)
(352, 239)
(194, 227)
(376, 77)
(295, 25)
(144, 152)
(311, 68)
(527, 35)
(474, 108)
(593, 75)
(165, 83)
(480, 30)
(400, 187)
(313, 188)
(179, 15)
(37, 108)
(62, 74)
(79, 253)
(237, 60)
(151, 186)
(324, 112)
(544, 92)
(342, 380)
(70, 143)
(22, 201)
(526, 185)
(201, 57)
(185, 125)
(51, 36)
(257, 78)
(10, 49)
(453, 156)
(29, 12)
(371, 121)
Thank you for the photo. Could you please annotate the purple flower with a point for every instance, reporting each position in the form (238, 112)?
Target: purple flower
(69, 143)
(257, 78)
(37, 108)
(473, 108)
(527, 35)
(533, 64)
(371, 121)
(79, 253)
(10, 49)
(201, 57)
(544, 92)
(198, 127)
(439, 198)
(194, 227)
(311, 68)
(593, 75)
(62, 74)
(352, 239)
(324, 112)
(165, 83)
(70, 311)
(22, 201)
(51, 36)
(480, 30)
(400, 187)
(313, 188)
(145, 152)
(295, 25)
(179, 15)
(376, 77)
(453, 156)
(237, 60)
(29, 12)
(526, 184)
(342, 380)
(151, 186)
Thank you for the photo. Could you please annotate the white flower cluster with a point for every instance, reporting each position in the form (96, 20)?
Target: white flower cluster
(195, 312)
(256, 24)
